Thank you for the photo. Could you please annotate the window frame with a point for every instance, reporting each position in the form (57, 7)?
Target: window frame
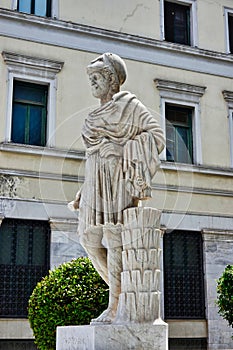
(175, 125)
(193, 20)
(37, 71)
(227, 12)
(228, 97)
(231, 134)
(18, 266)
(54, 8)
(183, 235)
(185, 95)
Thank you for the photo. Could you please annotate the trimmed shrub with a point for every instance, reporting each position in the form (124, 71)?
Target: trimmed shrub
(72, 294)
(225, 294)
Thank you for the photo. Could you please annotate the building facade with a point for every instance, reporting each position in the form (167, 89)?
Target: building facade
(179, 55)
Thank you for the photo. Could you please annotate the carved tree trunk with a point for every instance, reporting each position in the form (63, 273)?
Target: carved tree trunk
(141, 257)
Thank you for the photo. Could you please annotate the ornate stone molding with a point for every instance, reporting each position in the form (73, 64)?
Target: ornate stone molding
(228, 95)
(14, 58)
(15, 61)
(219, 235)
(42, 151)
(58, 224)
(179, 87)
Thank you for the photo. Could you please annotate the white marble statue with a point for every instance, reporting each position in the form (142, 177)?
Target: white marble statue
(123, 142)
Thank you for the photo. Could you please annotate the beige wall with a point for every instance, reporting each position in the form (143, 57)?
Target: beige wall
(6, 4)
(123, 16)
(143, 19)
(74, 100)
(74, 97)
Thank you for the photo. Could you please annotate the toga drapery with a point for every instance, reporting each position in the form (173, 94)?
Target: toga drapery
(113, 182)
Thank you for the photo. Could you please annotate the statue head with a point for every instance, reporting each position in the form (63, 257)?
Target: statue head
(107, 73)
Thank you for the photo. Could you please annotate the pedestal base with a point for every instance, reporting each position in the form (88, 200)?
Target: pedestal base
(113, 337)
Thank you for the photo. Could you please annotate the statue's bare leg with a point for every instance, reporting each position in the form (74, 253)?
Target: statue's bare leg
(98, 258)
(91, 242)
(112, 240)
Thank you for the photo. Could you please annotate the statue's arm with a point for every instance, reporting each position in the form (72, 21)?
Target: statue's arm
(74, 205)
(141, 154)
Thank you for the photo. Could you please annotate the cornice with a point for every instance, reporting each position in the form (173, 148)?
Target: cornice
(200, 169)
(15, 59)
(91, 39)
(179, 87)
(228, 95)
(42, 151)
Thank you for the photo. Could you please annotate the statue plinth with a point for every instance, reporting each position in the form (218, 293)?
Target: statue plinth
(113, 337)
(138, 323)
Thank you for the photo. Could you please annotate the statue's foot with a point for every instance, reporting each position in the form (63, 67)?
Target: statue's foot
(105, 318)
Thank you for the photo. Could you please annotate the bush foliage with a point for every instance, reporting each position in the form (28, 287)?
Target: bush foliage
(225, 294)
(72, 294)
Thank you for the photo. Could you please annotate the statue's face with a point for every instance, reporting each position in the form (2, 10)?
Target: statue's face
(100, 84)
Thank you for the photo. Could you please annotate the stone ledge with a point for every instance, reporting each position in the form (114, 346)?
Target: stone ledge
(113, 337)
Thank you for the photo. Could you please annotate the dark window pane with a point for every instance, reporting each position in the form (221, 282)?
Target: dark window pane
(35, 7)
(179, 143)
(24, 245)
(29, 92)
(19, 118)
(24, 6)
(7, 238)
(41, 7)
(183, 275)
(37, 126)
(177, 23)
(230, 25)
(17, 345)
(188, 344)
(29, 113)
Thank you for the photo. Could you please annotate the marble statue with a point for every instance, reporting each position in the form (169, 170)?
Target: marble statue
(123, 141)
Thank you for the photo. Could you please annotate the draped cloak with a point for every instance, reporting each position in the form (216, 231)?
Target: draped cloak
(113, 182)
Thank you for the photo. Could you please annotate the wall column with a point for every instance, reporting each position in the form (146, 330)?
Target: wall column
(65, 244)
(218, 247)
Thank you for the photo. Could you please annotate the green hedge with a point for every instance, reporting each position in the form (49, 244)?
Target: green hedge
(72, 294)
(225, 294)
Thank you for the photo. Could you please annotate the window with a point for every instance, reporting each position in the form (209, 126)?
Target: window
(188, 343)
(29, 113)
(179, 143)
(229, 29)
(31, 101)
(183, 275)
(35, 7)
(180, 112)
(179, 21)
(24, 260)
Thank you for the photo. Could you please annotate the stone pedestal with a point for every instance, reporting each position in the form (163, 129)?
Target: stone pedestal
(113, 337)
(138, 324)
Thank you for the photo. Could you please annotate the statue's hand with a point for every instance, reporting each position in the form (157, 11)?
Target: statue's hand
(74, 205)
(111, 149)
